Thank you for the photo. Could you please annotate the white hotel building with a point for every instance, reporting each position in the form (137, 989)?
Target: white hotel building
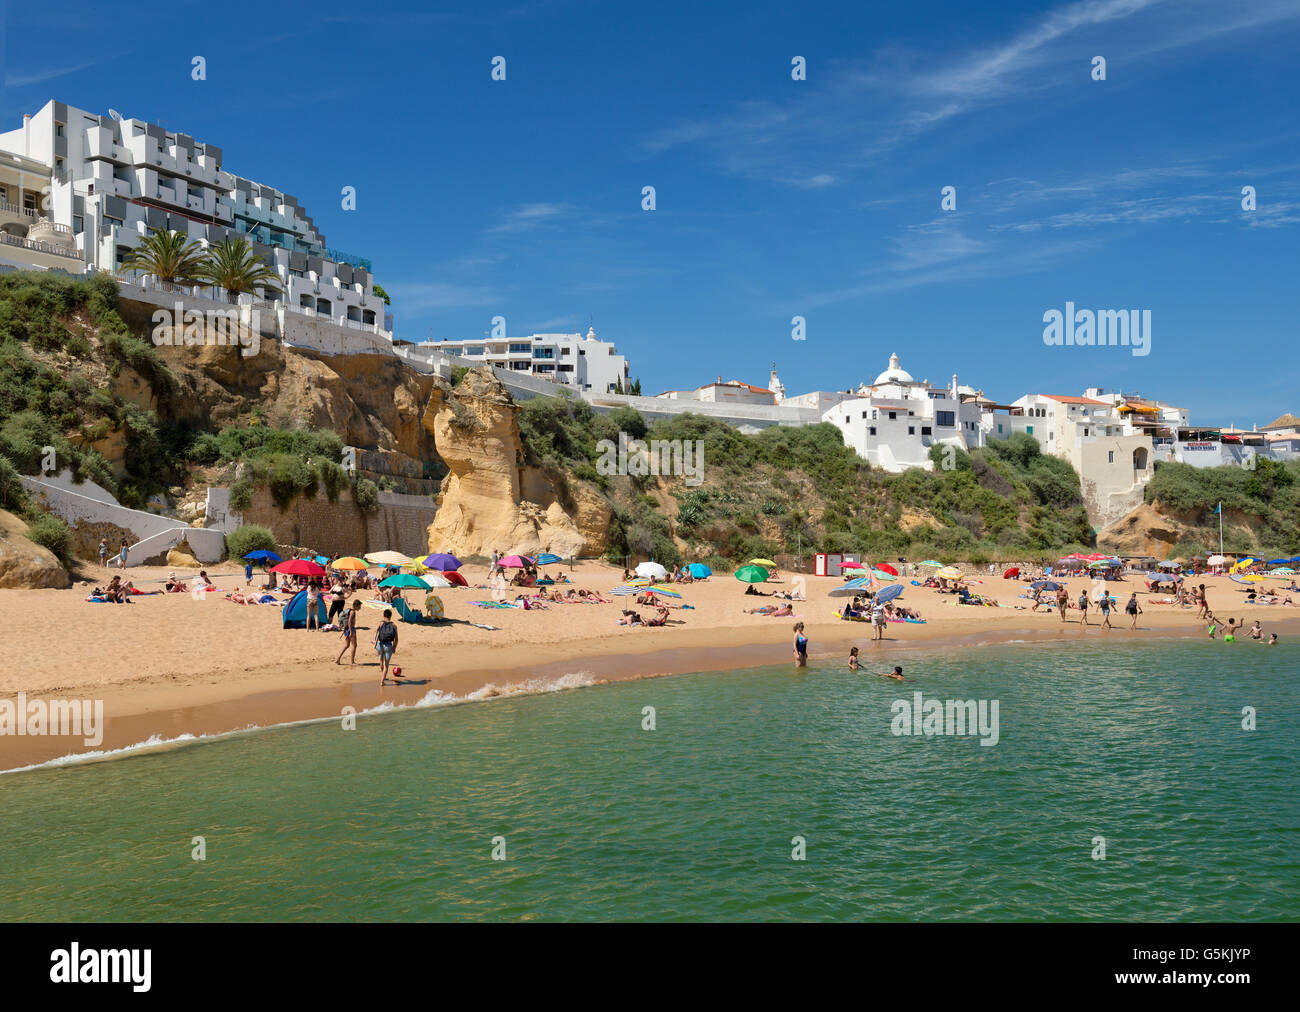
(87, 189)
(893, 422)
(583, 363)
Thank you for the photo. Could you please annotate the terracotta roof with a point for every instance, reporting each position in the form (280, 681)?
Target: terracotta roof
(1287, 421)
(1076, 400)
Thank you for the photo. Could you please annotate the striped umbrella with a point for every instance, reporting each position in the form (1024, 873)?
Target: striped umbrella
(548, 559)
(665, 591)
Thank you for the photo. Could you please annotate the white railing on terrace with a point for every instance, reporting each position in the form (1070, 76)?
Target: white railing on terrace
(40, 247)
(13, 209)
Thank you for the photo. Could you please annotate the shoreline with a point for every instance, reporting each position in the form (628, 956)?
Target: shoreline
(149, 714)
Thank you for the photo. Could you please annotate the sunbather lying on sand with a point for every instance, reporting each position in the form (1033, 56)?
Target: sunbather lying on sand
(630, 618)
(775, 611)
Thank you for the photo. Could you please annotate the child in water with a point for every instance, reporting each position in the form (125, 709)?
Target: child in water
(896, 674)
(853, 659)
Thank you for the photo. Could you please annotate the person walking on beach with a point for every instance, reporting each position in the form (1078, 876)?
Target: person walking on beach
(496, 559)
(1133, 610)
(103, 552)
(1062, 598)
(1104, 604)
(1083, 608)
(1204, 611)
(248, 573)
(385, 643)
(121, 557)
(350, 632)
(800, 646)
(877, 621)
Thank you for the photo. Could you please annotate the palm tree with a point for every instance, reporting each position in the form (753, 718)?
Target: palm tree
(172, 257)
(233, 265)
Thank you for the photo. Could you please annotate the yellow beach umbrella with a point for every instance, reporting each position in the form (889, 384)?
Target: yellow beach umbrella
(949, 573)
(765, 563)
(350, 562)
(433, 606)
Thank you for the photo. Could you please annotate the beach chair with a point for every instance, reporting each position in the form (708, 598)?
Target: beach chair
(405, 612)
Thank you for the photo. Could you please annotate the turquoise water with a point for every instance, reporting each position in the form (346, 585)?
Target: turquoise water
(1140, 743)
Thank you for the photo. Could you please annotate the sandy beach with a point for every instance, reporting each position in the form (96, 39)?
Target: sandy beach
(169, 665)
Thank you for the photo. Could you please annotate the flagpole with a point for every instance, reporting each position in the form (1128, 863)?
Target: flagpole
(1220, 512)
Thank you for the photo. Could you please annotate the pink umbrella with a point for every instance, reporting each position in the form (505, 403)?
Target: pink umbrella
(299, 567)
(514, 562)
(854, 565)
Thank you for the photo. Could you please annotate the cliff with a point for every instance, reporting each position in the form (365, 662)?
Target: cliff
(491, 498)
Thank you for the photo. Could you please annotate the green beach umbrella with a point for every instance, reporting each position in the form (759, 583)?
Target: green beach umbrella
(751, 574)
(404, 580)
(931, 562)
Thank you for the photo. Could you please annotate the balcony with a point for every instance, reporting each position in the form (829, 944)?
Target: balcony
(35, 246)
(12, 215)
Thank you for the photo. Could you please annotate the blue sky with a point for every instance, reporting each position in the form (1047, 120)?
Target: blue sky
(775, 197)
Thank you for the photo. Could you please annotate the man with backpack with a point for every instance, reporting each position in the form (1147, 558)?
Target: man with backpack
(385, 643)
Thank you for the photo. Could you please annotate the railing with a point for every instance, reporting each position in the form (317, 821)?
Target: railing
(13, 209)
(40, 247)
(339, 257)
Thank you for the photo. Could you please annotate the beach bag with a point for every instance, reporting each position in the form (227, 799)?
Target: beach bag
(387, 632)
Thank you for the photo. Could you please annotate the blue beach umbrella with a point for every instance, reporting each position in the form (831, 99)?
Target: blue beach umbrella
(1162, 578)
(699, 570)
(262, 554)
(889, 593)
(548, 559)
(1045, 585)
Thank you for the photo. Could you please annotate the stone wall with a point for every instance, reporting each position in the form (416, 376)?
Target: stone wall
(341, 528)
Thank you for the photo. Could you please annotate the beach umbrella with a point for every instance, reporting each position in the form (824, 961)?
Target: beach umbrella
(513, 562)
(1162, 578)
(349, 562)
(387, 558)
(654, 571)
(433, 606)
(885, 567)
(949, 573)
(1045, 585)
(851, 565)
(441, 561)
(1167, 564)
(1215, 560)
(322, 560)
(548, 559)
(435, 580)
(889, 593)
(1282, 571)
(626, 591)
(852, 587)
(880, 574)
(299, 567)
(751, 574)
(454, 578)
(1011, 573)
(1246, 578)
(664, 591)
(404, 580)
(638, 581)
(263, 555)
(699, 570)
(931, 562)
(765, 563)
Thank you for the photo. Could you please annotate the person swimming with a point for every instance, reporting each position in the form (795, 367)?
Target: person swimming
(896, 674)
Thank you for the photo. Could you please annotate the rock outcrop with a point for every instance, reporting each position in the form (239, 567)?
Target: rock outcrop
(491, 498)
(25, 565)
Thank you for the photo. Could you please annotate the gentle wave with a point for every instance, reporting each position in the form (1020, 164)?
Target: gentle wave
(432, 698)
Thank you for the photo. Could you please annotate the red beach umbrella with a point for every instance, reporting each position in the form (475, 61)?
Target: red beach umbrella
(885, 567)
(453, 577)
(299, 567)
(1011, 573)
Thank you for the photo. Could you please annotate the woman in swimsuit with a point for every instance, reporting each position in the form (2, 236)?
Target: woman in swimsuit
(800, 646)
(350, 632)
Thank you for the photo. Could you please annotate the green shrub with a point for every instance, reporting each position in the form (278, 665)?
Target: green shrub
(13, 496)
(248, 538)
(366, 495)
(241, 496)
(51, 532)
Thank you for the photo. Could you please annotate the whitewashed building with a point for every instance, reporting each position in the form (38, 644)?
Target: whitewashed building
(111, 181)
(894, 421)
(584, 363)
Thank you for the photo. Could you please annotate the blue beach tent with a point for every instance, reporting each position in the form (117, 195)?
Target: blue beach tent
(295, 612)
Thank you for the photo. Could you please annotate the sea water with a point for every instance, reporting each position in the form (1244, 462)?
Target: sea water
(1126, 782)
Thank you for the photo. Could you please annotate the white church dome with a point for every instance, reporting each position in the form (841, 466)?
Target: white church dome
(894, 374)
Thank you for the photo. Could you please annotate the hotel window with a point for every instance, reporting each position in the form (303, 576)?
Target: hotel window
(520, 349)
(945, 419)
(999, 428)
(1111, 456)
(911, 430)
(871, 430)
(893, 415)
(864, 415)
(1029, 429)
(474, 350)
(58, 130)
(925, 430)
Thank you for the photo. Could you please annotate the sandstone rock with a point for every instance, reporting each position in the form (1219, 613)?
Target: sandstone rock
(25, 565)
(182, 557)
(490, 498)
